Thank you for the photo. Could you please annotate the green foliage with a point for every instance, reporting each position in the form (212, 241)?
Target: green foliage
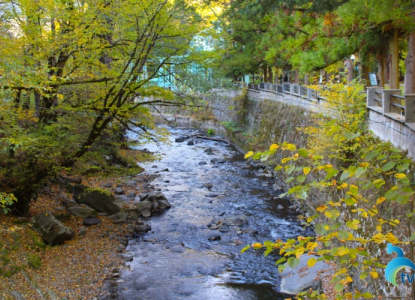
(211, 131)
(6, 200)
(367, 190)
(34, 261)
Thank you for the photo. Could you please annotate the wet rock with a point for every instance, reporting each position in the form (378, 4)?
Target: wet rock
(91, 221)
(190, 143)
(108, 185)
(163, 204)
(214, 227)
(130, 228)
(260, 171)
(235, 222)
(207, 185)
(224, 228)
(82, 212)
(214, 238)
(208, 150)
(146, 213)
(202, 163)
(82, 232)
(144, 205)
(294, 281)
(180, 140)
(142, 228)
(98, 200)
(119, 191)
(217, 161)
(52, 230)
(211, 195)
(280, 206)
(250, 231)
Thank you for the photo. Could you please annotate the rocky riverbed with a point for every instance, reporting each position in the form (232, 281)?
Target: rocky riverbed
(220, 203)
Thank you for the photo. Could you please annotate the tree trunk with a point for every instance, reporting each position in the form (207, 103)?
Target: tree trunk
(381, 70)
(265, 74)
(306, 79)
(365, 75)
(394, 66)
(270, 75)
(296, 77)
(26, 100)
(37, 103)
(17, 98)
(410, 64)
(349, 67)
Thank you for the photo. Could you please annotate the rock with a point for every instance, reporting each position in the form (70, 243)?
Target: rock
(211, 195)
(294, 281)
(280, 206)
(67, 202)
(146, 213)
(63, 217)
(82, 232)
(131, 183)
(207, 185)
(224, 228)
(163, 204)
(131, 195)
(118, 218)
(91, 221)
(71, 179)
(235, 222)
(119, 191)
(250, 230)
(123, 198)
(52, 230)
(109, 184)
(214, 238)
(142, 228)
(201, 163)
(208, 150)
(180, 140)
(144, 205)
(82, 212)
(23, 219)
(217, 161)
(130, 228)
(98, 200)
(158, 197)
(190, 143)
(213, 227)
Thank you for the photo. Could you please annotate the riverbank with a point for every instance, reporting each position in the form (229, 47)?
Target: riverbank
(79, 268)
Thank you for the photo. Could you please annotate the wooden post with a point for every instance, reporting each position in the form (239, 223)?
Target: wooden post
(349, 67)
(410, 64)
(381, 70)
(394, 68)
(265, 74)
(306, 79)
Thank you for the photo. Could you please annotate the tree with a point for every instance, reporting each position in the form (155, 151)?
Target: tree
(85, 63)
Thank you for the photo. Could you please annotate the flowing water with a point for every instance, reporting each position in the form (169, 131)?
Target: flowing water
(176, 259)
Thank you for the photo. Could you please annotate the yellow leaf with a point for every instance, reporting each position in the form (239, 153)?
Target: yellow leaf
(311, 262)
(306, 170)
(391, 238)
(343, 251)
(299, 252)
(374, 274)
(249, 154)
(380, 200)
(321, 208)
(364, 165)
(291, 147)
(273, 146)
(400, 175)
(256, 245)
(311, 245)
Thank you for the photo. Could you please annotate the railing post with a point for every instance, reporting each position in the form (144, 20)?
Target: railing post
(292, 88)
(309, 94)
(410, 108)
(386, 100)
(370, 100)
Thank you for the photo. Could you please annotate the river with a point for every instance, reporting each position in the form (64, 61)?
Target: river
(209, 185)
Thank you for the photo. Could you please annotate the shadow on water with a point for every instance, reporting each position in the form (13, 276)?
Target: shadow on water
(213, 192)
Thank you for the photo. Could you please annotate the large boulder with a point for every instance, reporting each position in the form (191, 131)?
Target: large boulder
(156, 197)
(301, 278)
(82, 212)
(101, 201)
(52, 230)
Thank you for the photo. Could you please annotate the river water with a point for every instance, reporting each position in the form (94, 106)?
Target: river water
(208, 183)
